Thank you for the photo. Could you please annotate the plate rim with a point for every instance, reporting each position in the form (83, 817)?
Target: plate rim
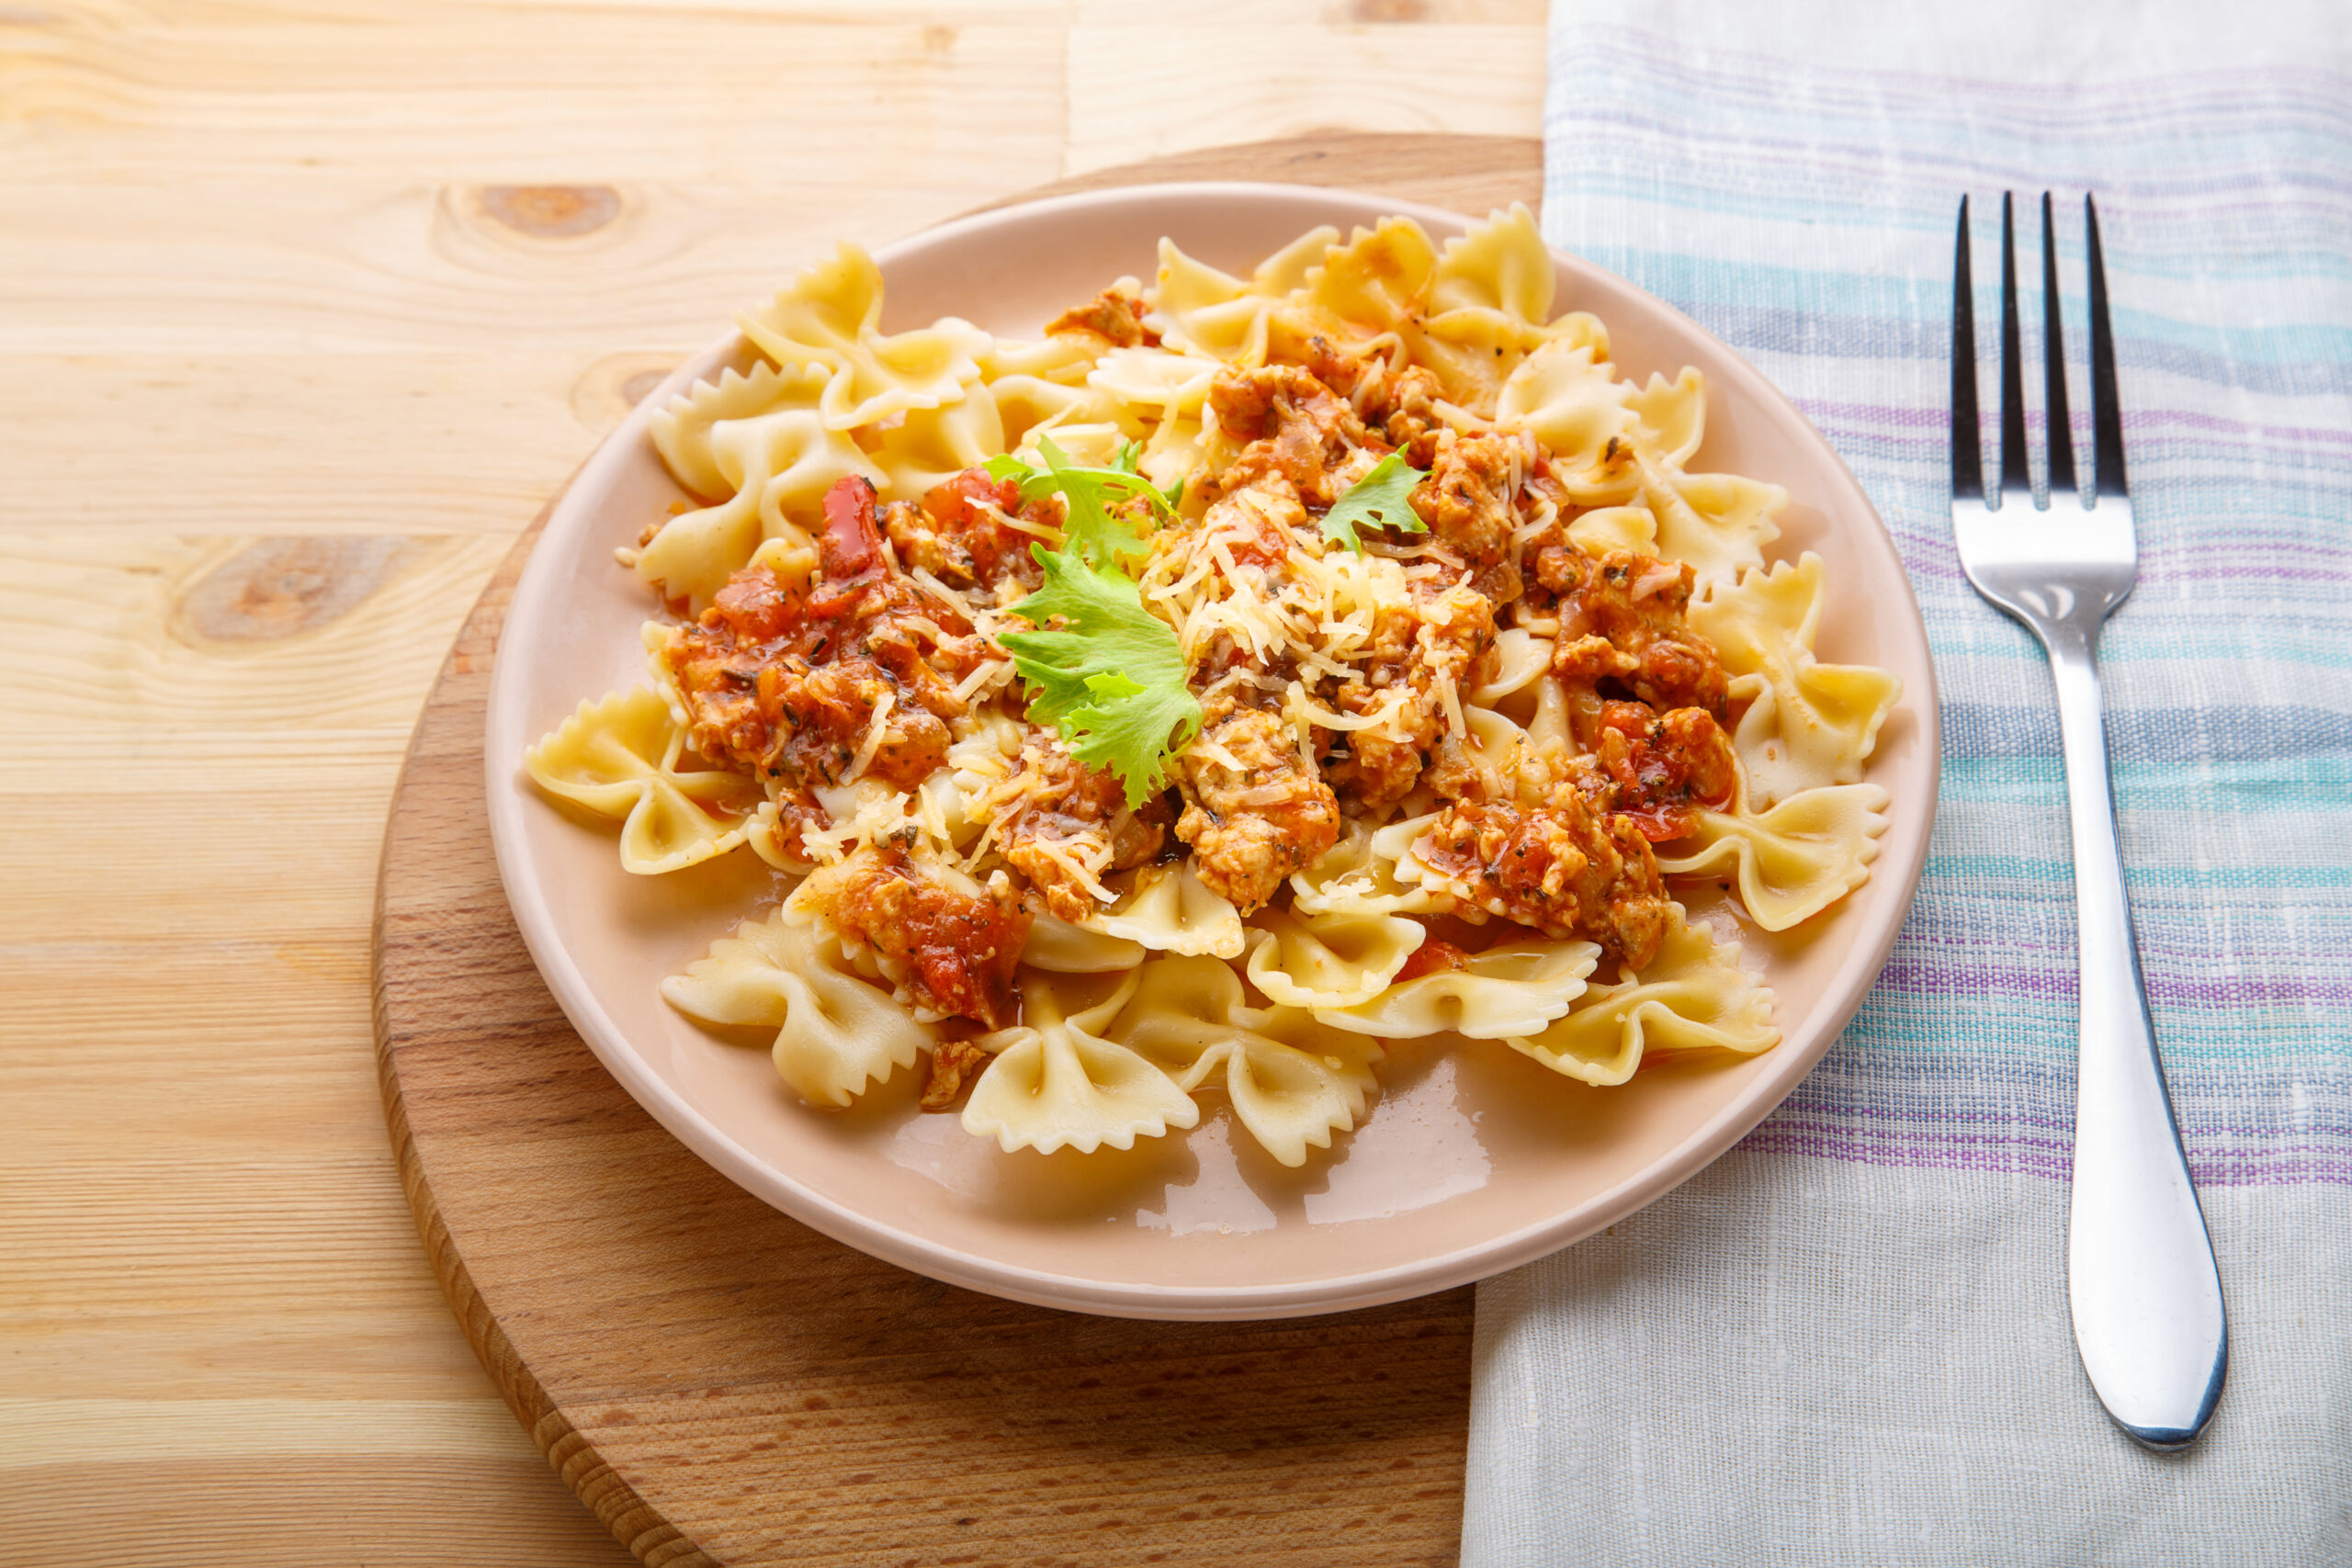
(1700, 1148)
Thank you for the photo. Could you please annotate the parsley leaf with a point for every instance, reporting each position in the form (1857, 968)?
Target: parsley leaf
(1109, 676)
(1381, 498)
(1090, 530)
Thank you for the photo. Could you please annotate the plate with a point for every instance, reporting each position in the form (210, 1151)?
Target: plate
(1470, 1161)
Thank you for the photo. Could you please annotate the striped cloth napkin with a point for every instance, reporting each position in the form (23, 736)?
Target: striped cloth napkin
(1848, 1341)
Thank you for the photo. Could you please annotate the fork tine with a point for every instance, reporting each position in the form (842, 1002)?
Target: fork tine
(1967, 457)
(2015, 473)
(2107, 404)
(2053, 361)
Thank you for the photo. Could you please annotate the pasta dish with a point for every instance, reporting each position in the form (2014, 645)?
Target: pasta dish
(1245, 675)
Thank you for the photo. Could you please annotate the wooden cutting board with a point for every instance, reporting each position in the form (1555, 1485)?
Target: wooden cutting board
(722, 1385)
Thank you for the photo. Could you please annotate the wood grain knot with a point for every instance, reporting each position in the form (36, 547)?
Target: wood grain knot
(609, 389)
(282, 588)
(551, 212)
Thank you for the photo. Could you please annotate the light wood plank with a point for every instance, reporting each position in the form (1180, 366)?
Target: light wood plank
(128, 642)
(186, 1511)
(234, 444)
(1138, 91)
(39, 1432)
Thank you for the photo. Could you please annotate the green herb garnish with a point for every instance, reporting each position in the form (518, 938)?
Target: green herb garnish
(1102, 670)
(1382, 498)
(1090, 528)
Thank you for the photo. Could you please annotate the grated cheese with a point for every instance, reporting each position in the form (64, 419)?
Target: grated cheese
(875, 729)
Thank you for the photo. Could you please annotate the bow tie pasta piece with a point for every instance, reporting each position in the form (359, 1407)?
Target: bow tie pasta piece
(681, 427)
(836, 1032)
(1352, 879)
(763, 834)
(619, 758)
(930, 446)
(1718, 522)
(1392, 847)
(1168, 909)
(1501, 267)
(1064, 358)
(1384, 287)
(1670, 417)
(775, 467)
(830, 315)
(1521, 658)
(1056, 1082)
(1330, 961)
(1286, 272)
(1378, 281)
(1607, 528)
(1173, 450)
(1178, 1007)
(1292, 1082)
(1090, 445)
(1694, 996)
(1808, 724)
(1029, 406)
(1548, 723)
(1495, 749)
(1197, 308)
(1490, 304)
(1153, 381)
(1572, 401)
(1794, 861)
(1066, 949)
(1608, 438)
(1514, 989)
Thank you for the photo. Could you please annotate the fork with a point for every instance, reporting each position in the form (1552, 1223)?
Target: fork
(2141, 1281)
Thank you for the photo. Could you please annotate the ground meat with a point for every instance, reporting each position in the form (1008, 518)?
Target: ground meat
(1419, 648)
(1466, 500)
(1293, 427)
(1406, 414)
(958, 949)
(1665, 765)
(1563, 869)
(783, 679)
(1052, 798)
(1115, 316)
(821, 717)
(1257, 525)
(956, 537)
(1621, 621)
(1531, 779)
(1251, 827)
(798, 812)
(951, 1062)
(1399, 404)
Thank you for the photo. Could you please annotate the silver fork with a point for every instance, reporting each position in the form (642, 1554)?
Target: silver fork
(2141, 1280)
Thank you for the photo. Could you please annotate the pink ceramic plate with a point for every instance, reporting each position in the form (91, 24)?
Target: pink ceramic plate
(1472, 1159)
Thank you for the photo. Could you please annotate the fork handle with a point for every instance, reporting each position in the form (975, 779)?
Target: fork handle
(2146, 1295)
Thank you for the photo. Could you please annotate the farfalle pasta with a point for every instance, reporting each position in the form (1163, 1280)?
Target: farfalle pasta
(1248, 675)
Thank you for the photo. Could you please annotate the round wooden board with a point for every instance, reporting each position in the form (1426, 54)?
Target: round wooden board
(722, 1385)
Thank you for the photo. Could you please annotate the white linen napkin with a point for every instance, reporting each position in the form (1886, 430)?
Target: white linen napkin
(1848, 1341)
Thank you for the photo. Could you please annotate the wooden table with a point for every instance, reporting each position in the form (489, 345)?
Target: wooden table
(306, 310)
